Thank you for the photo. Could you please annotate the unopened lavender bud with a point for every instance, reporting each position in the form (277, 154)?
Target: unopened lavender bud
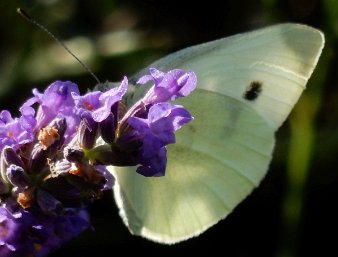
(11, 157)
(48, 203)
(74, 155)
(8, 157)
(107, 129)
(17, 176)
(60, 124)
(38, 159)
(87, 133)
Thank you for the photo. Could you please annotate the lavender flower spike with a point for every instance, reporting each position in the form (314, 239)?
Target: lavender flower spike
(54, 157)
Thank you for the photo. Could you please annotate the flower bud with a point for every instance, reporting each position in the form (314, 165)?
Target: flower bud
(107, 129)
(74, 155)
(11, 157)
(87, 133)
(8, 157)
(17, 176)
(38, 160)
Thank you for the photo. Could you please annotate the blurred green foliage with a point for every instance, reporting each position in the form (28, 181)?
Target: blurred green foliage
(293, 212)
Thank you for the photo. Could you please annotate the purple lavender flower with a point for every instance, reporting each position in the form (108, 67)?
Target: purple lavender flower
(168, 86)
(17, 131)
(155, 132)
(99, 104)
(56, 101)
(87, 103)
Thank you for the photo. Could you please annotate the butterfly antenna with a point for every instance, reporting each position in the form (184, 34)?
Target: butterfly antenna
(25, 15)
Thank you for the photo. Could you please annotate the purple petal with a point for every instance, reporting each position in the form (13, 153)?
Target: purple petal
(166, 116)
(88, 102)
(168, 86)
(5, 116)
(144, 79)
(16, 133)
(109, 98)
(55, 101)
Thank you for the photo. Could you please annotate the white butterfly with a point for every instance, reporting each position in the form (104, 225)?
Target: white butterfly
(247, 86)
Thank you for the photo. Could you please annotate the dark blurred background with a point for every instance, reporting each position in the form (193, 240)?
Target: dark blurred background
(292, 213)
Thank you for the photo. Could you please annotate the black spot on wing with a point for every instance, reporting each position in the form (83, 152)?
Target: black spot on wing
(253, 90)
